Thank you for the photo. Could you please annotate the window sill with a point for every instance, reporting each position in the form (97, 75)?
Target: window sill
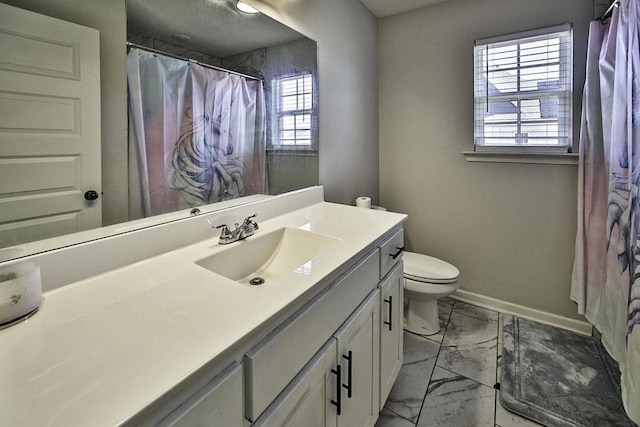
(538, 158)
(293, 151)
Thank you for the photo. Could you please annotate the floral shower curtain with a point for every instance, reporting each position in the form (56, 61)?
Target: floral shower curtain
(197, 135)
(606, 279)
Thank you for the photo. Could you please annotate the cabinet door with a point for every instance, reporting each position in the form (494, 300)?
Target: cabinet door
(359, 357)
(307, 399)
(391, 300)
(218, 403)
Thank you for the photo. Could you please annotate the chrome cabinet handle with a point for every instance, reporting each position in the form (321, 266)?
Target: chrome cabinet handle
(397, 254)
(338, 403)
(390, 302)
(349, 386)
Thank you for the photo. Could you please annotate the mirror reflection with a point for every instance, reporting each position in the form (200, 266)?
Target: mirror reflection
(222, 108)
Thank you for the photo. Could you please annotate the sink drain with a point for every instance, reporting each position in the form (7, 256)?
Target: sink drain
(256, 281)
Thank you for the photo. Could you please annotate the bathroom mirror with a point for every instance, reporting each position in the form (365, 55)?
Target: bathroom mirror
(210, 32)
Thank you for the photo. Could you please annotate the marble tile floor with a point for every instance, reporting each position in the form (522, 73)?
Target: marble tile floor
(448, 379)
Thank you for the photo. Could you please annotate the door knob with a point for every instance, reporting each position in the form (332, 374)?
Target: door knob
(91, 195)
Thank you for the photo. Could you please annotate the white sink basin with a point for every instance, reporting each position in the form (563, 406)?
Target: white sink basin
(269, 256)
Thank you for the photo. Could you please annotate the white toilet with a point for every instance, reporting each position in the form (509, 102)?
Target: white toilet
(426, 280)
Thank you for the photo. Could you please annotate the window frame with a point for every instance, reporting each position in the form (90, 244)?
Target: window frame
(482, 98)
(277, 113)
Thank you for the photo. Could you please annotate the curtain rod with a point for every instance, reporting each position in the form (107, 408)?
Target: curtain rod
(613, 5)
(193, 61)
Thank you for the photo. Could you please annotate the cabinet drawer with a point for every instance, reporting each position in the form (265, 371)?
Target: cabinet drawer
(391, 253)
(276, 360)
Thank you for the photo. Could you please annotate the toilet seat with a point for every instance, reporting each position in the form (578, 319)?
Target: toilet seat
(426, 269)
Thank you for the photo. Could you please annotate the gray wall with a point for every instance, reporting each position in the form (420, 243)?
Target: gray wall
(509, 228)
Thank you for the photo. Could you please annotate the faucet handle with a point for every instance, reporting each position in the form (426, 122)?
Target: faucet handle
(248, 221)
(226, 235)
(225, 230)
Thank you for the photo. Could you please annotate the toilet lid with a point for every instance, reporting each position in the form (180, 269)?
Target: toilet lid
(423, 268)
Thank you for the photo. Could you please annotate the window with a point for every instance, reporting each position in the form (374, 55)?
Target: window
(523, 91)
(293, 110)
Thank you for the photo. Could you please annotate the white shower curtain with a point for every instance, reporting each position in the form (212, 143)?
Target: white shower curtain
(196, 135)
(606, 279)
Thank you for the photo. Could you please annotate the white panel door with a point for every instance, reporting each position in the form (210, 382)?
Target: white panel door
(49, 127)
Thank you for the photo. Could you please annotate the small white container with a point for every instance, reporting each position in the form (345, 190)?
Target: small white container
(20, 291)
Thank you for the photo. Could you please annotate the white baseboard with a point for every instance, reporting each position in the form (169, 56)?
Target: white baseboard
(505, 307)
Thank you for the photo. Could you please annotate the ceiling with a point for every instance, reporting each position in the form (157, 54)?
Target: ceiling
(216, 28)
(213, 27)
(382, 8)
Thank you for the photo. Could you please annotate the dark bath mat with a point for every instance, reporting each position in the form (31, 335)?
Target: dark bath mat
(558, 378)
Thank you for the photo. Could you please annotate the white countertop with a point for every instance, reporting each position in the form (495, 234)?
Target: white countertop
(101, 349)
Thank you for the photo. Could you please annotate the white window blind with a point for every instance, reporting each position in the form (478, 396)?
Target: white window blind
(294, 107)
(523, 91)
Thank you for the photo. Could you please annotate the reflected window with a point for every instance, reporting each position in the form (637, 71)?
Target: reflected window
(294, 108)
(523, 91)
(305, 269)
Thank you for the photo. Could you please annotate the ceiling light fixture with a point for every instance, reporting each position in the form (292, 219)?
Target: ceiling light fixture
(243, 7)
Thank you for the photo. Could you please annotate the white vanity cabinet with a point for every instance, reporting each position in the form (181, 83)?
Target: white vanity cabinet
(391, 318)
(348, 380)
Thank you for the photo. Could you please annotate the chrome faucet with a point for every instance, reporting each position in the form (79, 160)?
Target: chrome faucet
(241, 232)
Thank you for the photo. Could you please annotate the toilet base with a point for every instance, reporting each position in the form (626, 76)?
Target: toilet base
(421, 316)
